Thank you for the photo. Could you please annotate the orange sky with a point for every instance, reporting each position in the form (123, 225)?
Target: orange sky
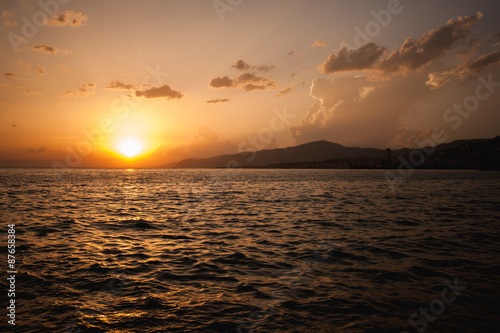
(188, 79)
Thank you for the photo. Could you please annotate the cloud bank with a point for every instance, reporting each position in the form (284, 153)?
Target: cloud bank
(368, 109)
(86, 90)
(49, 49)
(413, 54)
(67, 18)
(161, 92)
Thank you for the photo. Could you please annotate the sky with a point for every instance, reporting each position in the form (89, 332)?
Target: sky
(145, 84)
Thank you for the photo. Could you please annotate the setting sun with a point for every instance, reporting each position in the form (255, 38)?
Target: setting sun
(130, 147)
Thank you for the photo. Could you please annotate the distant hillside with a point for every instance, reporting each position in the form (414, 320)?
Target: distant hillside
(467, 154)
(309, 152)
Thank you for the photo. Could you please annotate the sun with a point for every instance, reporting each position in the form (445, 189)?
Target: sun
(130, 147)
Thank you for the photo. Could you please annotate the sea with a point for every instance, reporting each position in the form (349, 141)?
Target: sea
(247, 250)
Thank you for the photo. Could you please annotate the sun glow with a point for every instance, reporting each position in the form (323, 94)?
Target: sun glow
(130, 147)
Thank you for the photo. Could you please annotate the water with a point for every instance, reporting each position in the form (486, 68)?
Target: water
(261, 250)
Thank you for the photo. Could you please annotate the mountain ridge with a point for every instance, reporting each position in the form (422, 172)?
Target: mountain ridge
(311, 152)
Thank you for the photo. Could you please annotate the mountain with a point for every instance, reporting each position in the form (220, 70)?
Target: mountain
(308, 152)
(463, 154)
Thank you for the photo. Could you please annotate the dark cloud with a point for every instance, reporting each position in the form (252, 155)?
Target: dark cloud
(483, 62)
(67, 18)
(163, 91)
(86, 90)
(247, 81)
(353, 60)
(242, 65)
(9, 74)
(49, 49)
(250, 82)
(465, 71)
(264, 68)
(117, 85)
(218, 100)
(220, 82)
(415, 53)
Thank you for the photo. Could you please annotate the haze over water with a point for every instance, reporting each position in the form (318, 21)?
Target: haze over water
(263, 250)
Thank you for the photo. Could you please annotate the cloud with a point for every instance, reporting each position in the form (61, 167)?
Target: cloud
(218, 100)
(416, 53)
(284, 92)
(412, 55)
(473, 47)
(163, 91)
(50, 49)
(354, 111)
(250, 81)
(465, 71)
(220, 82)
(242, 65)
(67, 18)
(400, 109)
(9, 74)
(247, 81)
(406, 138)
(117, 85)
(264, 68)
(40, 70)
(362, 58)
(86, 90)
(319, 44)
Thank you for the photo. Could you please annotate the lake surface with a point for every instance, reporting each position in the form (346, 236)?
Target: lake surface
(252, 250)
